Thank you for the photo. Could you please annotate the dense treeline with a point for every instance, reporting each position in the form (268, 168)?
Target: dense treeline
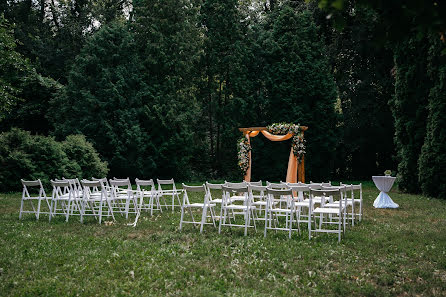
(159, 87)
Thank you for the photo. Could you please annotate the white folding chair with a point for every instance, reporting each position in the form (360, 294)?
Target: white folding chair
(95, 200)
(303, 202)
(123, 195)
(65, 196)
(229, 205)
(148, 190)
(349, 198)
(259, 197)
(26, 196)
(172, 193)
(273, 211)
(204, 206)
(337, 213)
(355, 201)
(237, 197)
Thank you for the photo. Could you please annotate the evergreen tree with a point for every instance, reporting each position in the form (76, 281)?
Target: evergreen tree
(363, 76)
(13, 67)
(432, 162)
(299, 87)
(409, 109)
(169, 42)
(104, 100)
(225, 90)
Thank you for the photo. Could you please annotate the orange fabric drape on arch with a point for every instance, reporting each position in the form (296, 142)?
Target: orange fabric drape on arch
(291, 175)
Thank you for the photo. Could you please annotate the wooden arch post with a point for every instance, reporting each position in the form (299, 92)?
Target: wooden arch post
(300, 166)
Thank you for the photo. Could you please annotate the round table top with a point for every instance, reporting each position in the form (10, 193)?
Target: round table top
(384, 183)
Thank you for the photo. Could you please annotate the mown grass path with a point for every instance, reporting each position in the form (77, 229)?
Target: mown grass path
(392, 252)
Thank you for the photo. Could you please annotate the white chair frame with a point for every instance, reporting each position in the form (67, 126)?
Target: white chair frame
(205, 206)
(26, 196)
(247, 209)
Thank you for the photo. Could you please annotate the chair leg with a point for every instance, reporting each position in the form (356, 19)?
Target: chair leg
(222, 219)
(203, 218)
(182, 216)
(21, 210)
(38, 208)
(100, 212)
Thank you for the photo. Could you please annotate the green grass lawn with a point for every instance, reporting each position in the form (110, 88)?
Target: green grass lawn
(391, 252)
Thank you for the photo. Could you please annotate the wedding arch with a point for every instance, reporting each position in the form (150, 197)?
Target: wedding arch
(276, 132)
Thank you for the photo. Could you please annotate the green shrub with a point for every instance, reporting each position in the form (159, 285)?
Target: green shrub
(82, 152)
(27, 156)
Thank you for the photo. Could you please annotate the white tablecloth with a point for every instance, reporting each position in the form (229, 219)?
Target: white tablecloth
(384, 184)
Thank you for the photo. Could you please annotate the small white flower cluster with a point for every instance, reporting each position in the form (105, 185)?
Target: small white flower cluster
(243, 154)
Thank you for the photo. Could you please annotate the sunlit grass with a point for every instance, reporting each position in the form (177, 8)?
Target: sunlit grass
(392, 252)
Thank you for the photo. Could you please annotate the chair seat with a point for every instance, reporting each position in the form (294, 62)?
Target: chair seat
(238, 198)
(303, 203)
(217, 200)
(285, 210)
(356, 200)
(335, 204)
(326, 210)
(242, 207)
(318, 199)
(200, 205)
(35, 198)
(263, 203)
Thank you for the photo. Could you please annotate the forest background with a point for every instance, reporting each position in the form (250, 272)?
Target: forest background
(158, 88)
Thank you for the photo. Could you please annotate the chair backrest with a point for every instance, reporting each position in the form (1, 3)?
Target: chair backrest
(32, 184)
(283, 194)
(301, 189)
(315, 186)
(61, 188)
(357, 187)
(145, 185)
(92, 187)
(243, 184)
(237, 189)
(329, 191)
(214, 186)
(117, 185)
(201, 188)
(257, 183)
(162, 182)
(145, 182)
(240, 191)
(104, 181)
(194, 189)
(260, 189)
(298, 184)
(210, 187)
(257, 188)
(121, 183)
(165, 181)
(281, 186)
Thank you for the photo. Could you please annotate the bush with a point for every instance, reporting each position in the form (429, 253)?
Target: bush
(82, 152)
(27, 156)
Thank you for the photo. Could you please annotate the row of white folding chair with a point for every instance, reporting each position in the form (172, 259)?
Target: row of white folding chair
(291, 210)
(237, 199)
(172, 193)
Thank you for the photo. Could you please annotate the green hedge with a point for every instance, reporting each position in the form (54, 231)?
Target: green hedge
(27, 156)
